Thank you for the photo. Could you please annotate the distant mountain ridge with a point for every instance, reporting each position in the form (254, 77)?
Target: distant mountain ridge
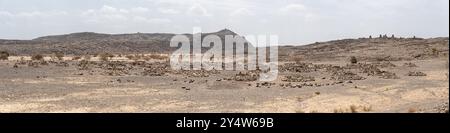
(92, 43)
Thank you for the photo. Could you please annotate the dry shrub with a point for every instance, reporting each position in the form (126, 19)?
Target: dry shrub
(353, 60)
(87, 57)
(4, 55)
(297, 59)
(157, 57)
(412, 110)
(354, 109)
(105, 56)
(434, 51)
(130, 57)
(146, 58)
(59, 55)
(76, 58)
(37, 57)
(138, 57)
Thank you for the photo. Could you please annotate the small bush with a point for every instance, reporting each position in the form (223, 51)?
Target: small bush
(76, 58)
(37, 57)
(105, 56)
(4, 55)
(434, 51)
(130, 57)
(412, 110)
(297, 59)
(59, 55)
(87, 57)
(146, 58)
(353, 109)
(353, 60)
(138, 57)
(157, 57)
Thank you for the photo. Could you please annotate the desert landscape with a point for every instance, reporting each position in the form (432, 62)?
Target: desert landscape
(92, 72)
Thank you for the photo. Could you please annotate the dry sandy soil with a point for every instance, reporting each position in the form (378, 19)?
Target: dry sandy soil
(316, 85)
(54, 87)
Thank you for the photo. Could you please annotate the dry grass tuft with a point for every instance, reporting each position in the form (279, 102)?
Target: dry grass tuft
(105, 56)
(37, 57)
(4, 55)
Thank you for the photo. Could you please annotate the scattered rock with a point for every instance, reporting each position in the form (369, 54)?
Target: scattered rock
(409, 64)
(185, 88)
(416, 74)
(196, 73)
(388, 75)
(247, 76)
(264, 84)
(298, 78)
(346, 75)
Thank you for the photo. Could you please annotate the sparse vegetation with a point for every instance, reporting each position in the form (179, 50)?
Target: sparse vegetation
(354, 109)
(412, 110)
(84, 65)
(334, 76)
(105, 56)
(130, 57)
(87, 57)
(37, 57)
(58, 55)
(137, 57)
(353, 60)
(157, 57)
(416, 74)
(297, 59)
(76, 58)
(4, 55)
(314, 111)
(434, 52)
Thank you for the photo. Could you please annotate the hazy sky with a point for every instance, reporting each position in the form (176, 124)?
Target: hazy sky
(294, 21)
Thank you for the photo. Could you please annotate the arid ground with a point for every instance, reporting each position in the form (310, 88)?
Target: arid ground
(389, 75)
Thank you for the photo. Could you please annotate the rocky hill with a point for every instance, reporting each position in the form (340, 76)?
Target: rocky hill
(92, 43)
(369, 49)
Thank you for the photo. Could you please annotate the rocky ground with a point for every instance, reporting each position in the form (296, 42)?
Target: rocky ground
(382, 80)
(151, 86)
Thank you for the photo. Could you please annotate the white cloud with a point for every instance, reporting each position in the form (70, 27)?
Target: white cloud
(168, 11)
(242, 12)
(113, 15)
(140, 10)
(298, 10)
(5, 14)
(141, 19)
(292, 8)
(198, 10)
(33, 14)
